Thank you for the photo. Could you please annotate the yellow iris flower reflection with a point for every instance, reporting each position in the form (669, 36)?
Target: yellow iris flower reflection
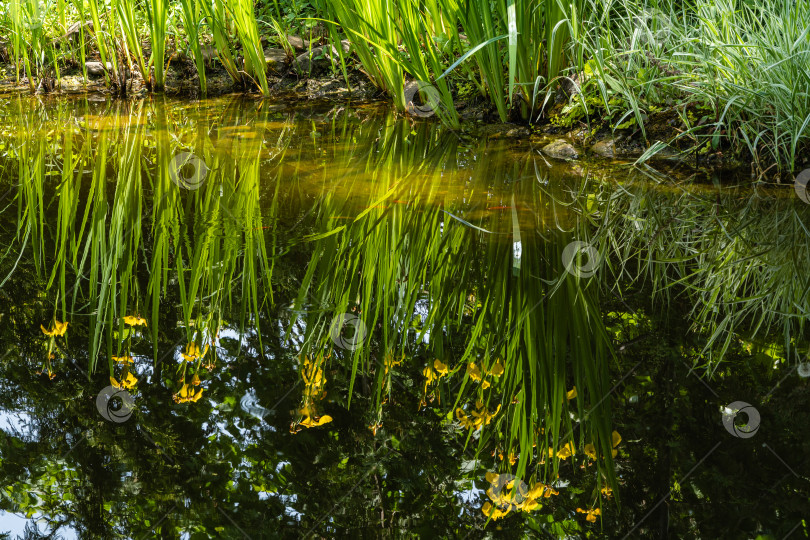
(58, 329)
(314, 390)
(189, 381)
(187, 394)
(590, 514)
(134, 320)
(479, 374)
(590, 449)
(127, 382)
(508, 493)
(432, 375)
(478, 417)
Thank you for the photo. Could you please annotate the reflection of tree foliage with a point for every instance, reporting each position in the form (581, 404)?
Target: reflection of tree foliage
(211, 469)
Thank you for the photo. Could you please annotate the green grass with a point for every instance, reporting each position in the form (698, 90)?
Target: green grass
(733, 73)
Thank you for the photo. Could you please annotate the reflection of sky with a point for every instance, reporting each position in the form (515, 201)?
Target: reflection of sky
(14, 524)
(11, 421)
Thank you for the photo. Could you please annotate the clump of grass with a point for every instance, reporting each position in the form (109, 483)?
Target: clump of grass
(735, 74)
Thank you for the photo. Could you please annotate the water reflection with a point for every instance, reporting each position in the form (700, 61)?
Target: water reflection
(334, 322)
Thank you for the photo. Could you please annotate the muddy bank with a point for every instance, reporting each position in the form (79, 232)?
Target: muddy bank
(304, 73)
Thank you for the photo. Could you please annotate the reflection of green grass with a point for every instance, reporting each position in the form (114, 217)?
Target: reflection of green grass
(365, 227)
(737, 258)
(543, 324)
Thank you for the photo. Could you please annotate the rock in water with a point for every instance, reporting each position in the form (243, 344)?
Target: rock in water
(96, 69)
(604, 148)
(560, 149)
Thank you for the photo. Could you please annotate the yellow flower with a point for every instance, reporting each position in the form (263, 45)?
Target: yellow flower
(429, 374)
(564, 452)
(193, 352)
(541, 490)
(440, 368)
(591, 514)
(492, 512)
(530, 505)
(497, 369)
(482, 416)
(616, 439)
(464, 419)
(474, 371)
(134, 320)
(127, 382)
(126, 359)
(572, 393)
(607, 492)
(309, 422)
(59, 329)
(182, 395)
(187, 394)
(195, 380)
(590, 449)
(390, 362)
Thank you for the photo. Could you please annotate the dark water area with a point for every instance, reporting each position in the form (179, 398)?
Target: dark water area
(296, 319)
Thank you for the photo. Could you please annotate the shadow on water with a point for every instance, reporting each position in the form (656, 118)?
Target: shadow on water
(297, 320)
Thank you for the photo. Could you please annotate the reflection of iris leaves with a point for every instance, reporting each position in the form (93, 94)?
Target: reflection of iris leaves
(427, 287)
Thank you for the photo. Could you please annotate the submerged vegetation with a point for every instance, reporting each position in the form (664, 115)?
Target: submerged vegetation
(720, 77)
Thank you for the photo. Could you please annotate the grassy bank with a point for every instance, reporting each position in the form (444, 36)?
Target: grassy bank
(722, 77)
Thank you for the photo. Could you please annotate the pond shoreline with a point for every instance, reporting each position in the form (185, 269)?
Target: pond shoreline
(562, 136)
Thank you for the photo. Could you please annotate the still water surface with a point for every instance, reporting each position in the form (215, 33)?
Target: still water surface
(302, 320)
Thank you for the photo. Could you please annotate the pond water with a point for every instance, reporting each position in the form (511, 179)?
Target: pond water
(296, 319)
